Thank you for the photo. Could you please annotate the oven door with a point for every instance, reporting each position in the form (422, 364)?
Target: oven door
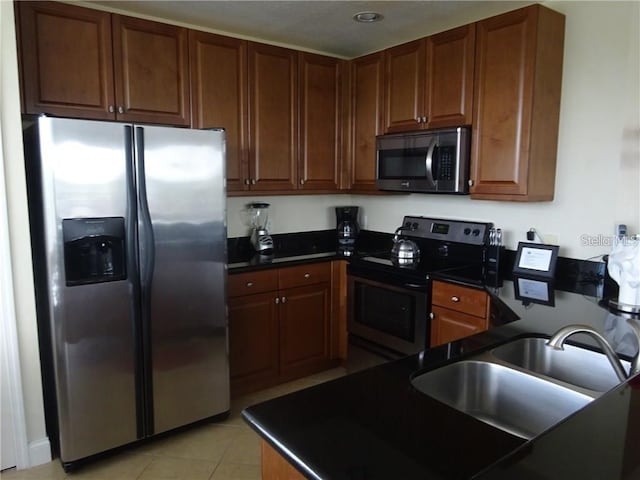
(391, 316)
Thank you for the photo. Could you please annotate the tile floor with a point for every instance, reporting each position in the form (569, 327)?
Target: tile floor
(226, 450)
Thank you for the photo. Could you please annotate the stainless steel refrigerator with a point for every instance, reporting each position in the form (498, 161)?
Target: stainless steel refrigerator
(129, 244)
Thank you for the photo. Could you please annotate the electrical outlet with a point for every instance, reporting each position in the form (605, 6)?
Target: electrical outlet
(550, 239)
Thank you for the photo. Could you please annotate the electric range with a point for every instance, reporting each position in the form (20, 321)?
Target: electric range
(389, 300)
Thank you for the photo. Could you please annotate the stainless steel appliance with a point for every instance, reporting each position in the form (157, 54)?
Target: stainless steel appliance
(129, 242)
(389, 301)
(260, 238)
(435, 161)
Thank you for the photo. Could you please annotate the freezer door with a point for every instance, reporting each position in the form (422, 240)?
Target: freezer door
(85, 223)
(183, 271)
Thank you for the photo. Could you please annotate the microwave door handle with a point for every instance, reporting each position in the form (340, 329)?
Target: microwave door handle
(430, 151)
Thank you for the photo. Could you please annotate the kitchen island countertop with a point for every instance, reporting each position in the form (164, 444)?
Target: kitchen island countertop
(375, 425)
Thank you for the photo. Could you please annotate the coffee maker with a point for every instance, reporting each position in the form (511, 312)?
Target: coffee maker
(260, 238)
(347, 229)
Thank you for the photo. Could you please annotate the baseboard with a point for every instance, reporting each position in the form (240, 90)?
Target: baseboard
(39, 452)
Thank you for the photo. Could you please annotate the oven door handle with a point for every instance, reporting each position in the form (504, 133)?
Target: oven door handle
(414, 285)
(429, 160)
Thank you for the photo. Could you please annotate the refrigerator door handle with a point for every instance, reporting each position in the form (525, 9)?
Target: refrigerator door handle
(146, 249)
(145, 228)
(134, 281)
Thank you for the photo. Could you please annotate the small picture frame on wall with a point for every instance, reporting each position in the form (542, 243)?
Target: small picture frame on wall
(536, 260)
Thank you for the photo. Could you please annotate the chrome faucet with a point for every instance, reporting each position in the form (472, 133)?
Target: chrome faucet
(635, 363)
(558, 339)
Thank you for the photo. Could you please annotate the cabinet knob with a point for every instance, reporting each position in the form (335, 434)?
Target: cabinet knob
(307, 275)
(470, 183)
(120, 109)
(417, 119)
(111, 109)
(247, 181)
(253, 181)
(277, 300)
(249, 284)
(424, 119)
(455, 299)
(432, 316)
(302, 181)
(284, 299)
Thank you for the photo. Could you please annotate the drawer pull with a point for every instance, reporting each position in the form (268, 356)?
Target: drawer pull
(307, 275)
(455, 299)
(249, 284)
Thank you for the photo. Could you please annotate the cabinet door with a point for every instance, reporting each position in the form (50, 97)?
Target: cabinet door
(319, 122)
(367, 96)
(219, 97)
(405, 86)
(304, 330)
(449, 325)
(66, 59)
(151, 71)
(272, 117)
(517, 104)
(450, 61)
(253, 342)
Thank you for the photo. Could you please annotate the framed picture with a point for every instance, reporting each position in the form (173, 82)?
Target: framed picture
(534, 291)
(536, 260)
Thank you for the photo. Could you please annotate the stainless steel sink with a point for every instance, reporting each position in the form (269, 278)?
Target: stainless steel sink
(574, 365)
(519, 403)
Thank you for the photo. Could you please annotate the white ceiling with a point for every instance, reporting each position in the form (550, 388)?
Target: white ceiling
(321, 26)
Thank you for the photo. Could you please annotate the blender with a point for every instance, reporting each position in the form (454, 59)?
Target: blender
(260, 238)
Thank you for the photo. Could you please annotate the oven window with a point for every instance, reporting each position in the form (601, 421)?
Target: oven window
(404, 163)
(385, 310)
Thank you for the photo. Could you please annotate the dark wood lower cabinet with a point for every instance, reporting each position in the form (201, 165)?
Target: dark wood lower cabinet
(253, 341)
(304, 330)
(279, 334)
(275, 466)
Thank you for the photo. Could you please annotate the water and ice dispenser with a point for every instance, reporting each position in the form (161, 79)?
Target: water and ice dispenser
(94, 250)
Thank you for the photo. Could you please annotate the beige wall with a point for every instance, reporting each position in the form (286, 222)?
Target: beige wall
(597, 182)
(19, 239)
(598, 172)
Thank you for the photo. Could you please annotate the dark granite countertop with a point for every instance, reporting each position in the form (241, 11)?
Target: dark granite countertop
(375, 425)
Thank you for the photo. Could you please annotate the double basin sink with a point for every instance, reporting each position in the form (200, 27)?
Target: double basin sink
(523, 387)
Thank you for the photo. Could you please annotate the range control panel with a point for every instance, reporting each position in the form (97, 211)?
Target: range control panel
(472, 233)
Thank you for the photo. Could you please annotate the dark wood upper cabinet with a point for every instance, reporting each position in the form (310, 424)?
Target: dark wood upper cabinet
(429, 82)
(273, 122)
(319, 141)
(66, 60)
(151, 67)
(367, 75)
(69, 67)
(450, 73)
(219, 97)
(517, 105)
(405, 86)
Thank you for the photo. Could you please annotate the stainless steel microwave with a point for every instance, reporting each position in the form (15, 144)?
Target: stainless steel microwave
(431, 161)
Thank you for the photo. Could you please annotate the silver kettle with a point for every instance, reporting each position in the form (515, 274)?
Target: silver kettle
(404, 251)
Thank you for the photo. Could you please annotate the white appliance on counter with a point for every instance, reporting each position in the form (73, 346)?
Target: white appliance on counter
(129, 244)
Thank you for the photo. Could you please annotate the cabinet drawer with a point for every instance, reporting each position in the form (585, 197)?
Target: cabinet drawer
(449, 325)
(304, 275)
(252, 282)
(459, 298)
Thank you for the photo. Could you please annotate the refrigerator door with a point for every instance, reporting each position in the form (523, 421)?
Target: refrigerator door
(85, 207)
(182, 234)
